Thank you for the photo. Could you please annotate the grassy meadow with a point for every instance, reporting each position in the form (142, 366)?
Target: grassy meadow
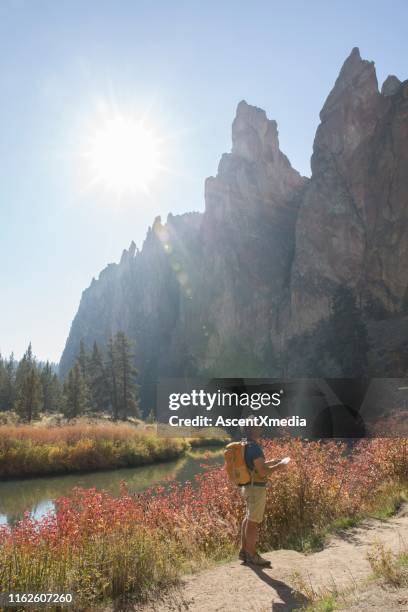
(29, 450)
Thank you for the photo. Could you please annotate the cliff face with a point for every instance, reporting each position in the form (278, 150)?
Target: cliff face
(352, 222)
(248, 243)
(144, 295)
(223, 292)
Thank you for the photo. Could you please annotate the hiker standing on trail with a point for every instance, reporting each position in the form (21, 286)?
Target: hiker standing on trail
(247, 467)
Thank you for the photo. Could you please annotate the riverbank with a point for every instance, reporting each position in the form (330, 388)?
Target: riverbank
(30, 451)
(37, 495)
(111, 548)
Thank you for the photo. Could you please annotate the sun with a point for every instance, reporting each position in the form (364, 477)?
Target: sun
(124, 155)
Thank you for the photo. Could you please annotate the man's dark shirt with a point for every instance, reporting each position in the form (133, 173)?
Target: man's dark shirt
(252, 451)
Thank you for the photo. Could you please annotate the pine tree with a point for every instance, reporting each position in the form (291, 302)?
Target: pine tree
(3, 384)
(75, 393)
(10, 381)
(51, 389)
(23, 366)
(126, 374)
(7, 382)
(112, 377)
(83, 360)
(98, 380)
(28, 387)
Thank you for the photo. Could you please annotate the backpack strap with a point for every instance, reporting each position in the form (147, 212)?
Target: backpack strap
(247, 444)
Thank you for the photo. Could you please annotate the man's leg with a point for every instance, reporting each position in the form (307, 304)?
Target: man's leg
(256, 498)
(251, 533)
(243, 534)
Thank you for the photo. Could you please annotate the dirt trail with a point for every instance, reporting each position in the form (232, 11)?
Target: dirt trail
(236, 587)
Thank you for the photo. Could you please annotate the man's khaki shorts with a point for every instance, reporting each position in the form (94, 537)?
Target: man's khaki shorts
(255, 498)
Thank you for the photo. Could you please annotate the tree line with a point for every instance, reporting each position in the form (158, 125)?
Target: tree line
(101, 381)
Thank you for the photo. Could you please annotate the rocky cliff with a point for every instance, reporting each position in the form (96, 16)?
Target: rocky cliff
(352, 222)
(224, 292)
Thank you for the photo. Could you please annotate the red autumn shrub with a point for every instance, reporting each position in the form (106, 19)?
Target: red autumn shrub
(323, 482)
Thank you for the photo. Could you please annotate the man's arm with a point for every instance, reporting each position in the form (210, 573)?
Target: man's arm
(272, 462)
(265, 468)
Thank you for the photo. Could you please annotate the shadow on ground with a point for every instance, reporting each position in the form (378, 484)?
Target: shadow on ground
(291, 599)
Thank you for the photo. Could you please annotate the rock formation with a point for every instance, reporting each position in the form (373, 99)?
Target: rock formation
(352, 222)
(224, 292)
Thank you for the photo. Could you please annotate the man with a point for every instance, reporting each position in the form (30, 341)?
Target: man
(255, 496)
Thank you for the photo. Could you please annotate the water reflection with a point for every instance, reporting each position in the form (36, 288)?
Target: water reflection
(36, 495)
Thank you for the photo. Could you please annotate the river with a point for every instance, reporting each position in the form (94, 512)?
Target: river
(37, 495)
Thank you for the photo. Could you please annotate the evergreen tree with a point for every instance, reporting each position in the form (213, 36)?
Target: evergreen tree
(348, 338)
(7, 382)
(98, 380)
(112, 377)
(10, 390)
(3, 384)
(23, 367)
(75, 393)
(51, 389)
(83, 360)
(28, 387)
(126, 374)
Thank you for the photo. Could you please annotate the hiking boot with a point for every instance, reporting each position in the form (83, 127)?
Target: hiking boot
(242, 555)
(257, 560)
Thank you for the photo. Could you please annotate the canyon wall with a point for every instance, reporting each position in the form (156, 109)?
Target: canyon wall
(225, 292)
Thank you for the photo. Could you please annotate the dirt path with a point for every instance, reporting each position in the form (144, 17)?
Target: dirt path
(235, 587)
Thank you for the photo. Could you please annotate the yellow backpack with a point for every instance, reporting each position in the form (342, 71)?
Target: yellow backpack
(235, 463)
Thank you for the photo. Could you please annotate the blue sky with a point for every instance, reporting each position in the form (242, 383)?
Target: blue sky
(186, 64)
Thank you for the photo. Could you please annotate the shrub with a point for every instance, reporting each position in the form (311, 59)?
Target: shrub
(27, 450)
(104, 546)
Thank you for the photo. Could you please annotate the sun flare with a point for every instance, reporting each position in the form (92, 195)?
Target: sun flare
(124, 155)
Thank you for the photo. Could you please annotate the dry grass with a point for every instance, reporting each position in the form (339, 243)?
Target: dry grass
(319, 599)
(68, 434)
(389, 567)
(390, 572)
(34, 451)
